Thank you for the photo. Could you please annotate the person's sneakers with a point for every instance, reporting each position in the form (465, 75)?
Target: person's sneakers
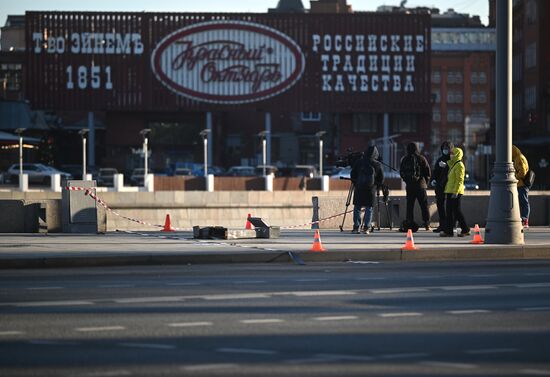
(445, 234)
(525, 223)
(427, 227)
(437, 230)
(462, 234)
(355, 231)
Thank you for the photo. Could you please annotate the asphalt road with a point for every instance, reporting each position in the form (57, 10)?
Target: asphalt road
(338, 319)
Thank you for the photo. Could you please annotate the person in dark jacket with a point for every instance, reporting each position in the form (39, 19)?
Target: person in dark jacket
(439, 181)
(366, 175)
(415, 172)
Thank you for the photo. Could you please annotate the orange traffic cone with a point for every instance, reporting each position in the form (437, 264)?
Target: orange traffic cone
(477, 236)
(167, 225)
(317, 245)
(409, 244)
(248, 223)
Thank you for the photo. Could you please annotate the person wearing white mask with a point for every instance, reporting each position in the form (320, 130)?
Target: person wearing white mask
(441, 170)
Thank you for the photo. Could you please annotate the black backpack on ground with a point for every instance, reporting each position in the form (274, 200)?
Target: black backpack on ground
(405, 226)
(410, 169)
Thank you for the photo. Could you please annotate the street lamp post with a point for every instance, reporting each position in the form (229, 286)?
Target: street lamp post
(83, 133)
(263, 135)
(144, 134)
(19, 132)
(204, 133)
(320, 137)
(503, 219)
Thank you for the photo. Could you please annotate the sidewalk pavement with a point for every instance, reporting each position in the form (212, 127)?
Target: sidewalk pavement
(157, 248)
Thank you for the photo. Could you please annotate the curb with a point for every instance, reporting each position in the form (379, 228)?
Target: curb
(525, 252)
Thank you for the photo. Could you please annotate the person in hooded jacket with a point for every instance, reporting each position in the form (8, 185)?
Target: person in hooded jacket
(366, 175)
(416, 187)
(440, 172)
(454, 189)
(522, 167)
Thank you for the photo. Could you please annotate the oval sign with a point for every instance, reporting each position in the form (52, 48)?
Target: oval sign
(227, 62)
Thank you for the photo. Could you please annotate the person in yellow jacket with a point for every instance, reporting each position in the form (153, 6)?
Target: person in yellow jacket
(522, 167)
(454, 189)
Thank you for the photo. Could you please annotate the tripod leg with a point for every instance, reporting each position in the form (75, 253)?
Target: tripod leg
(388, 211)
(348, 201)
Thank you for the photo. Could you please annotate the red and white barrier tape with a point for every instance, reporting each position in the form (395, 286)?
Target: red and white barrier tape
(91, 192)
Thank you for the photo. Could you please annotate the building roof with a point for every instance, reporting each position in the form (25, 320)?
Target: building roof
(15, 21)
(288, 6)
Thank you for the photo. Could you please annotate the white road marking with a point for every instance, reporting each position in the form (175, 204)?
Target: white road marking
(185, 284)
(247, 351)
(412, 355)
(52, 303)
(397, 290)
(485, 351)
(53, 343)
(109, 373)
(428, 277)
(471, 311)
(8, 333)
(148, 345)
(467, 287)
(142, 300)
(319, 293)
(235, 296)
(200, 367)
(535, 309)
(535, 372)
(373, 278)
(43, 288)
(532, 285)
(332, 356)
(336, 318)
(250, 282)
(448, 365)
(261, 321)
(102, 328)
(394, 315)
(309, 280)
(190, 324)
(116, 286)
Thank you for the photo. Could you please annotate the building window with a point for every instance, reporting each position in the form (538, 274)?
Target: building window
(436, 115)
(454, 77)
(311, 117)
(478, 115)
(10, 77)
(482, 97)
(436, 77)
(455, 96)
(404, 123)
(455, 116)
(517, 106)
(365, 122)
(530, 98)
(474, 78)
(517, 67)
(436, 95)
(482, 78)
(531, 55)
(455, 135)
(474, 98)
(531, 13)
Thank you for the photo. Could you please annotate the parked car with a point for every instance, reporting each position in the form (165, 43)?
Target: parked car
(74, 169)
(182, 171)
(269, 169)
(308, 171)
(342, 173)
(470, 183)
(241, 171)
(38, 173)
(136, 178)
(105, 176)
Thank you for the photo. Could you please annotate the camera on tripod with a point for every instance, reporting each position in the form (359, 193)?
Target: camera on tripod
(348, 159)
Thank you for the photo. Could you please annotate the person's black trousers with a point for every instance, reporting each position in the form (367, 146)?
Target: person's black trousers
(414, 194)
(440, 201)
(454, 214)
